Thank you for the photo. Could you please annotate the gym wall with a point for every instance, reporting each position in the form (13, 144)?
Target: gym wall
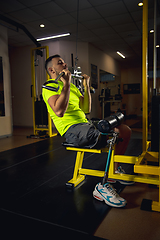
(133, 101)
(5, 121)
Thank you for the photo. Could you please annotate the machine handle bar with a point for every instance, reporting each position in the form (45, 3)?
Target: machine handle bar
(73, 75)
(77, 76)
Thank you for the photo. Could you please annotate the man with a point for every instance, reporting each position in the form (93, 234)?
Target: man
(67, 108)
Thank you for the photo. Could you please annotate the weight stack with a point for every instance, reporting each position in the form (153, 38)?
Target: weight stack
(41, 114)
(155, 123)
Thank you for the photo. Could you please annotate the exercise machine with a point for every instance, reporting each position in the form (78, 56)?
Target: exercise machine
(146, 165)
(42, 123)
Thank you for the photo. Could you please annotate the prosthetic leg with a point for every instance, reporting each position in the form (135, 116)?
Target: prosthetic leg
(111, 142)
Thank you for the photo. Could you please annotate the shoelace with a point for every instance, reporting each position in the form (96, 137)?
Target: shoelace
(111, 189)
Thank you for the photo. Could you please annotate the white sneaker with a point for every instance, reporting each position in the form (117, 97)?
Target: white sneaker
(108, 194)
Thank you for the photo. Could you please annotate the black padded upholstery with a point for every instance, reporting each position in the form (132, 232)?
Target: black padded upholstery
(65, 144)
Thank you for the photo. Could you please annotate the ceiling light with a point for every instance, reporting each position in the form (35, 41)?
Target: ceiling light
(56, 36)
(157, 46)
(42, 25)
(140, 4)
(151, 31)
(120, 54)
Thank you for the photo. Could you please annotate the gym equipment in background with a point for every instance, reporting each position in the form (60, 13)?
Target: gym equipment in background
(42, 124)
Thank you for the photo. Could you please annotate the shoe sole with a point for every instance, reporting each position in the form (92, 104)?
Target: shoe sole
(126, 183)
(112, 181)
(98, 196)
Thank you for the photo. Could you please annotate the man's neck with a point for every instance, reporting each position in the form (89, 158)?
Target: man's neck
(53, 76)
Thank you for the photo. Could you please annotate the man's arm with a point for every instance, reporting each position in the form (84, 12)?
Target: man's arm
(85, 101)
(59, 103)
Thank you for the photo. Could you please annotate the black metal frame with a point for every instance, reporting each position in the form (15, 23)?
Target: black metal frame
(18, 25)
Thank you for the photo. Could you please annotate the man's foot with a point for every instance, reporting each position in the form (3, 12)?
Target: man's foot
(120, 170)
(108, 194)
(111, 181)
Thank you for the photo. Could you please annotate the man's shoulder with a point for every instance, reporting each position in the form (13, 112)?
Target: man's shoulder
(51, 87)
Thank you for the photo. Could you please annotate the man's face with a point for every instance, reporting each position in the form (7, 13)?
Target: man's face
(58, 65)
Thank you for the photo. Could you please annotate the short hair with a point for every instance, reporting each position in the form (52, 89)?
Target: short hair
(49, 60)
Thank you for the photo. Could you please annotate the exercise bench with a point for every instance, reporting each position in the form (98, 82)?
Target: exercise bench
(80, 172)
(105, 127)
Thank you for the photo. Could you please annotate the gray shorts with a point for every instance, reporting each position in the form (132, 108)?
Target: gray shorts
(85, 135)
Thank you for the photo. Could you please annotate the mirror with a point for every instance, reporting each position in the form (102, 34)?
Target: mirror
(109, 83)
(110, 95)
(106, 76)
(2, 108)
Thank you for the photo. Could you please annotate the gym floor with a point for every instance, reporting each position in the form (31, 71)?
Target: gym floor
(35, 202)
